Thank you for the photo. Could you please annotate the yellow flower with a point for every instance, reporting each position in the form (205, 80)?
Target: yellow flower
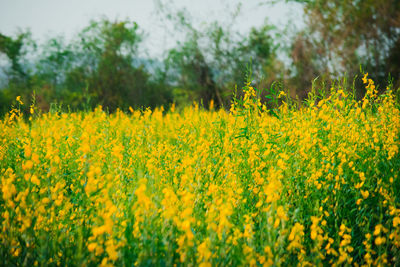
(281, 94)
(111, 250)
(365, 194)
(380, 240)
(281, 213)
(28, 165)
(365, 80)
(379, 228)
(92, 247)
(277, 222)
(396, 221)
(35, 180)
(19, 100)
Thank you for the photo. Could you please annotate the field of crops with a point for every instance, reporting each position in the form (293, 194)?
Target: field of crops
(254, 186)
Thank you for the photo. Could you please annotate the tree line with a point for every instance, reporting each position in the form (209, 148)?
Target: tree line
(102, 64)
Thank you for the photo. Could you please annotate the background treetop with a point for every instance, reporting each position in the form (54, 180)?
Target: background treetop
(107, 64)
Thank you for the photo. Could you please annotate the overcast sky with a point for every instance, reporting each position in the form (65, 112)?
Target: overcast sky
(49, 18)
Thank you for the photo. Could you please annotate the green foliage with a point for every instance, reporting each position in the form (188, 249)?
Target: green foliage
(212, 59)
(341, 35)
(102, 64)
(13, 48)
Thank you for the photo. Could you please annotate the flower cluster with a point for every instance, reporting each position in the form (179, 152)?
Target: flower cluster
(317, 185)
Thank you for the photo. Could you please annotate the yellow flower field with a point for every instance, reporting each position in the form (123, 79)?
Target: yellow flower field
(317, 185)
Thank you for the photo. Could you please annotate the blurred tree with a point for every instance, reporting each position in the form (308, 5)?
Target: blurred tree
(213, 59)
(102, 66)
(19, 73)
(55, 60)
(110, 67)
(342, 34)
(14, 50)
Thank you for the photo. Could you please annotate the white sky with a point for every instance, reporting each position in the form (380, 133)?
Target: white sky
(50, 18)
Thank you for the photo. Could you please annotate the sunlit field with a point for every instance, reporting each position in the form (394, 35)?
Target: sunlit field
(316, 185)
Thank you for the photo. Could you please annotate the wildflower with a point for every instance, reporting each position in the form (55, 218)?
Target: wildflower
(365, 80)
(19, 100)
(396, 221)
(380, 240)
(28, 165)
(35, 180)
(92, 247)
(364, 194)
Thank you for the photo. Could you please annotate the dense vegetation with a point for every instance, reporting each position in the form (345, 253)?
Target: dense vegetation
(103, 64)
(254, 186)
(111, 158)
